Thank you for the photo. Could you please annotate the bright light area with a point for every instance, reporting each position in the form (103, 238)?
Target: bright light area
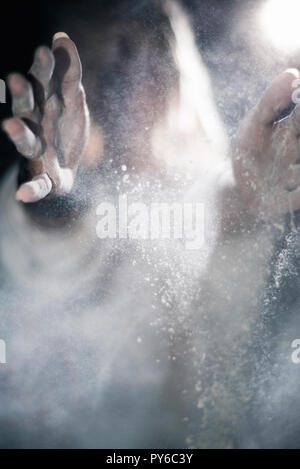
(280, 20)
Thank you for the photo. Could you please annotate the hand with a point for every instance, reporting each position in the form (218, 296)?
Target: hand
(51, 121)
(266, 153)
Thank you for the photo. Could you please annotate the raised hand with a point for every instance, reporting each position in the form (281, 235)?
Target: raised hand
(266, 153)
(51, 122)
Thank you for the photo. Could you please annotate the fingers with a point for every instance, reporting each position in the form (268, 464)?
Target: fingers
(43, 67)
(68, 69)
(64, 125)
(26, 142)
(22, 96)
(277, 97)
(35, 190)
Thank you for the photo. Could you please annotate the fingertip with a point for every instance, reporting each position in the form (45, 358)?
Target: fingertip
(44, 55)
(293, 71)
(29, 193)
(13, 127)
(16, 83)
(25, 194)
(60, 35)
(36, 189)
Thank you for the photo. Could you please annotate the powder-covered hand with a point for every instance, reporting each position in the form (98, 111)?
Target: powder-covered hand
(51, 122)
(266, 152)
